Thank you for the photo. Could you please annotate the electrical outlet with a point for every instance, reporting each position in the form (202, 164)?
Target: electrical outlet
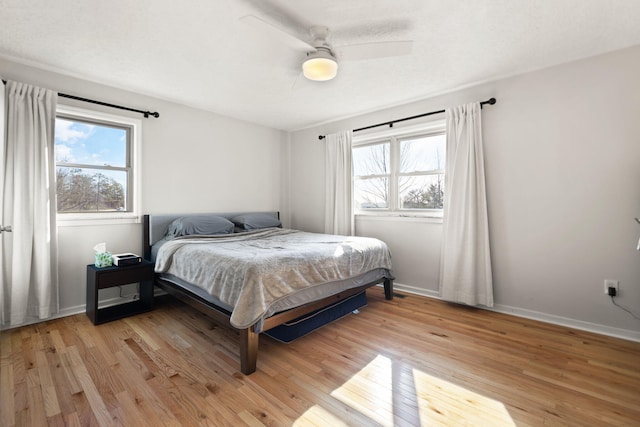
(608, 283)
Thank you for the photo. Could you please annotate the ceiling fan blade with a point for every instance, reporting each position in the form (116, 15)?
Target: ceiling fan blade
(357, 52)
(277, 33)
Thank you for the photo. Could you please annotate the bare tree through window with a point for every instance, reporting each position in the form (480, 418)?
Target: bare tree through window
(416, 181)
(424, 159)
(92, 165)
(373, 164)
(80, 191)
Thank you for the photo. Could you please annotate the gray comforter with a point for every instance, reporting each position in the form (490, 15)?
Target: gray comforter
(255, 271)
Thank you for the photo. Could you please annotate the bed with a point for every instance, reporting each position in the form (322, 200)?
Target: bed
(246, 271)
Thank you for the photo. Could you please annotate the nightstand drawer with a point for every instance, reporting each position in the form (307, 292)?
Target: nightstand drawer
(116, 276)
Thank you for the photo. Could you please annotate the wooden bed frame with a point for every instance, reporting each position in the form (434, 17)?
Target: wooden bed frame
(248, 336)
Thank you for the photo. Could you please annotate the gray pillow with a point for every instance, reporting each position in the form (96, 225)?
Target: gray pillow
(199, 224)
(255, 221)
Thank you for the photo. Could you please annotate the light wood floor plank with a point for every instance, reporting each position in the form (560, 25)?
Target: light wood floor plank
(61, 385)
(95, 399)
(407, 362)
(7, 381)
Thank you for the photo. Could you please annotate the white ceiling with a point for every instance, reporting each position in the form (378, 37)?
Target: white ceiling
(198, 53)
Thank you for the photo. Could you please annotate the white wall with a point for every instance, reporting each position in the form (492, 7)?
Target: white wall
(562, 153)
(192, 161)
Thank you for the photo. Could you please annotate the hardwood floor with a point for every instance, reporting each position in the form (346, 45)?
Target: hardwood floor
(407, 362)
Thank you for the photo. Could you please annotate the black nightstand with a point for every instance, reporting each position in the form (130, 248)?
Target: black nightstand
(107, 277)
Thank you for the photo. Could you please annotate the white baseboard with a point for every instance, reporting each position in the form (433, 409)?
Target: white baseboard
(78, 309)
(625, 334)
(499, 308)
(82, 308)
(417, 291)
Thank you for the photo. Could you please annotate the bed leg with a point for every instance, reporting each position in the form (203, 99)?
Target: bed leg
(248, 350)
(388, 289)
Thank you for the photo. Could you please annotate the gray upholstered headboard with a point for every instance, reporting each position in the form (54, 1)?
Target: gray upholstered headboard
(158, 224)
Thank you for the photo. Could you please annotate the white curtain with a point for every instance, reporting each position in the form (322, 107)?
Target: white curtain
(30, 252)
(465, 270)
(338, 215)
(2, 167)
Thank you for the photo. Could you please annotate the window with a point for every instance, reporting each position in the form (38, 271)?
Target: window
(400, 170)
(96, 158)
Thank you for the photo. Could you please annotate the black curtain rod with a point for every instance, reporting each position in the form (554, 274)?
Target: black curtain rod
(106, 104)
(392, 122)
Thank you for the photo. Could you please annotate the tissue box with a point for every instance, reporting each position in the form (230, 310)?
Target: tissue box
(103, 259)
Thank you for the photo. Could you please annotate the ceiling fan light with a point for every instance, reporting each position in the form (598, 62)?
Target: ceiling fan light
(320, 66)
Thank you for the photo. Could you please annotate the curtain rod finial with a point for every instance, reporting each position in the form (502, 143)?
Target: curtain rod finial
(321, 137)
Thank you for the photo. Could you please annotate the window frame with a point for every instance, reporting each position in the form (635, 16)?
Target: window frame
(133, 193)
(394, 136)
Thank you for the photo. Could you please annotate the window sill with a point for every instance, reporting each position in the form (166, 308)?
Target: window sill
(73, 220)
(395, 216)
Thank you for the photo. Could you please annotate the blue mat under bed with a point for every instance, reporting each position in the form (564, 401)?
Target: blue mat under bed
(301, 326)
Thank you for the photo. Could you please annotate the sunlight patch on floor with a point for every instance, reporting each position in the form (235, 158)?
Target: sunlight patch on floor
(431, 400)
(318, 416)
(444, 403)
(370, 391)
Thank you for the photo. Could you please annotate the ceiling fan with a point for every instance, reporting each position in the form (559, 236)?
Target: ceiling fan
(321, 62)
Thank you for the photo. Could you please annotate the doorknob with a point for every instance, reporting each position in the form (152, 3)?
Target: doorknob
(7, 229)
